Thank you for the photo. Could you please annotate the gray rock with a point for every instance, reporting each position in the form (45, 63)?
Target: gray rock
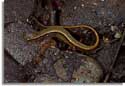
(17, 9)
(15, 43)
(12, 70)
(44, 78)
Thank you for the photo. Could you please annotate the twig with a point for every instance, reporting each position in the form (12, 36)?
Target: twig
(115, 58)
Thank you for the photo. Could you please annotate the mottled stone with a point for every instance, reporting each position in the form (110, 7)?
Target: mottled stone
(16, 44)
(12, 70)
(17, 9)
(65, 66)
(44, 78)
(60, 70)
(89, 71)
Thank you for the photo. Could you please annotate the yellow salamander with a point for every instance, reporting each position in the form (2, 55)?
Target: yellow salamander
(64, 35)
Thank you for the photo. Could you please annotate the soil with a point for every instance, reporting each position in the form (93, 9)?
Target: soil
(106, 16)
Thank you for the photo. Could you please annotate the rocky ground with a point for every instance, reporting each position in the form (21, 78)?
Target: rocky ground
(49, 60)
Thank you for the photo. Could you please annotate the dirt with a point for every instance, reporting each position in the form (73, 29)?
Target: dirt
(106, 16)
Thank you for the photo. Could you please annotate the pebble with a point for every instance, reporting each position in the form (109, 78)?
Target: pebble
(95, 4)
(105, 39)
(102, 0)
(27, 20)
(66, 57)
(114, 28)
(45, 61)
(123, 25)
(117, 35)
(82, 5)
(75, 7)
